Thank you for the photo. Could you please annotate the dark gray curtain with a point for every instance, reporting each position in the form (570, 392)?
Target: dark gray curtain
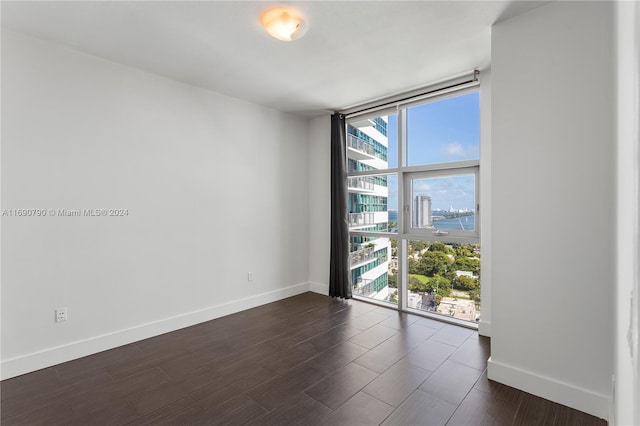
(339, 276)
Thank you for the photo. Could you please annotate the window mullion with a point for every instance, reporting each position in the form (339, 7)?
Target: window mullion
(401, 274)
(376, 172)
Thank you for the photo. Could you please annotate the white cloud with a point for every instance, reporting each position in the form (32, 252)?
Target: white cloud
(454, 149)
(457, 150)
(420, 186)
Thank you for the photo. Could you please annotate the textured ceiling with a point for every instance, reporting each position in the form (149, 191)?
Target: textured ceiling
(354, 51)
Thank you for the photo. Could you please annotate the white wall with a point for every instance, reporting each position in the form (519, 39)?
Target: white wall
(553, 203)
(319, 203)
(215, 188)
(627, 389)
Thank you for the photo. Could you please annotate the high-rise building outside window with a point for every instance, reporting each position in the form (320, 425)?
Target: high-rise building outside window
(367, 147)
(422, 209)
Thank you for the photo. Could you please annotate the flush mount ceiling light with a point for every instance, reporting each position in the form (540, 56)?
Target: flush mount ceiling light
(283, 23)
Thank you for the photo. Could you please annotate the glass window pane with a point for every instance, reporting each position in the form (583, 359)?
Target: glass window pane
(444, 279)
(372, 143)
(370, 269)
(444, 203)
(392, 203)
(444, 131)
(372, 201)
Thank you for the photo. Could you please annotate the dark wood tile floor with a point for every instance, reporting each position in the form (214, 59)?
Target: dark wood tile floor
(305, 360)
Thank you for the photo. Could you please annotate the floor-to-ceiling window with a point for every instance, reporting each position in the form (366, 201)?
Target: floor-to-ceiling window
(414, 205)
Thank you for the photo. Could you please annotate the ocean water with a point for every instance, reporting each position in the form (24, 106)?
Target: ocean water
(466, 222)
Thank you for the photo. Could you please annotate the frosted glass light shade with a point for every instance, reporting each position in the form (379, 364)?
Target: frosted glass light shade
(283, 23)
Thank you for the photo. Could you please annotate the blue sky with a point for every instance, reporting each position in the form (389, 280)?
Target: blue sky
(439, 132)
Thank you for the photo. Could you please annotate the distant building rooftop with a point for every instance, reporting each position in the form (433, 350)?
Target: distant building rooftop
(457, 308)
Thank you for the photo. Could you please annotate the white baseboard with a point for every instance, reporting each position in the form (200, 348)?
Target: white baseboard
(484, 328)
(319, 288)
(78, 349)
(572, 396)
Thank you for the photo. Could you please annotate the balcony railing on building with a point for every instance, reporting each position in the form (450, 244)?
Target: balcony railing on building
(364, 287)
(361, 183)
(361, 219)
(363, 255)
(358, 144)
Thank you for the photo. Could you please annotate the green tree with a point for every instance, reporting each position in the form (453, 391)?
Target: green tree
(422, 284)
(392, 281)
(441, 247)
(475, 295)
(465, 283)
(412, 266)
(466, 264)
(417, 285)
(441, 285)
(417, 246)
(433, 263)
(462, 250)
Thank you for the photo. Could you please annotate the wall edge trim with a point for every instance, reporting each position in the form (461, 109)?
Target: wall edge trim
(58, 354)
(572, 396)
(320, 288)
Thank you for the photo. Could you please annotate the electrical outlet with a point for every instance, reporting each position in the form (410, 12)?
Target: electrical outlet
(250, 276)
(61, 314)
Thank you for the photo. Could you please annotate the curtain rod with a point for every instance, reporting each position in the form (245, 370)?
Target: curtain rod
(425, 93)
